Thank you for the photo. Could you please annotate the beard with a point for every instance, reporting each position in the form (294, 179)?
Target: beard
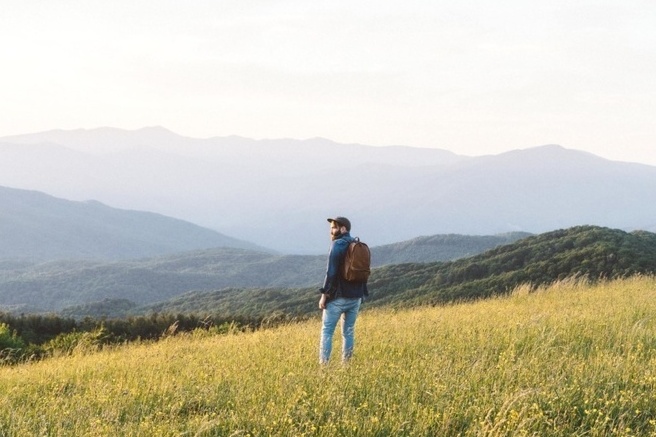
(335, 236)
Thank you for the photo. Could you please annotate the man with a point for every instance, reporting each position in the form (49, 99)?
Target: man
(348, 295)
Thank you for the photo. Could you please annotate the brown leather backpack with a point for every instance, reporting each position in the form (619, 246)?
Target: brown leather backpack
(357, 263)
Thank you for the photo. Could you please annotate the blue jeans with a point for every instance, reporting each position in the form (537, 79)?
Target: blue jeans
(331, 315)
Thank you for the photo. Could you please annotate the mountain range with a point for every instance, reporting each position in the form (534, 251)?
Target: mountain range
(58, 253)
(277, 193)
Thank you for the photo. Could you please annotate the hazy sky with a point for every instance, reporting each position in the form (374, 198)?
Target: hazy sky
(471, 76)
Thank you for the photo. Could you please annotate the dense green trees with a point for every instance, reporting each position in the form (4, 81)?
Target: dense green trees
(585, 251)
(34, 336)
(11, 345)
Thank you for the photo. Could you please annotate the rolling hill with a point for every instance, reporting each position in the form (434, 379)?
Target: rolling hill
(440, 248)
(35, 226)
(585, 252)
(101, 286)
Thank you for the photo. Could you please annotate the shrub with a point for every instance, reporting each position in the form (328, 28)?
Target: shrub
(9, 339)
(77, 342)
(11, 345)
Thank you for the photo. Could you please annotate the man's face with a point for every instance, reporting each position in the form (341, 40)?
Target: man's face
(335, 229)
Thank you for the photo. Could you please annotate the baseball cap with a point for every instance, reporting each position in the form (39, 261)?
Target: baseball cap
(342, 221)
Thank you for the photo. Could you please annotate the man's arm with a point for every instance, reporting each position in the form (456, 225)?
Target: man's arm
(337, 252)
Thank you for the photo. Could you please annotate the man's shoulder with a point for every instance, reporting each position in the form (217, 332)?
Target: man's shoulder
(345, 240)
(342, 242)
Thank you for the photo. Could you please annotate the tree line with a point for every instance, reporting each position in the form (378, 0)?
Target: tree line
(35, 336)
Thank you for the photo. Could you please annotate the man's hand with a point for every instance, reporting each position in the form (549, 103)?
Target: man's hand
(322, 302)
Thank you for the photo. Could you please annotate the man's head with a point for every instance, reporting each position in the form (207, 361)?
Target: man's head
(339, 226)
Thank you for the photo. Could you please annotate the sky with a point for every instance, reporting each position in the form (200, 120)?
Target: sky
(475, 77)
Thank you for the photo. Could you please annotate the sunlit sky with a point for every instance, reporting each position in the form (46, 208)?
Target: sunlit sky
(472, 76)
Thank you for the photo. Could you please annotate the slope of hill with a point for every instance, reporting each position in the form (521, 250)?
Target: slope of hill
(58, 284)
(573, 360)
(102, 287)
(256, 285)
(570, 361)
(585, 251)
(439, 248)
(261, 191)
(36, 226)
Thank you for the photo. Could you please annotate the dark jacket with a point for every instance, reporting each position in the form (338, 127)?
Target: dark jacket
(334, 278)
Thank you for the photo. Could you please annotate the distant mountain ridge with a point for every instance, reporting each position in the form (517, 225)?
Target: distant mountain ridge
(265, 191)
(440, 248)
(39, 227)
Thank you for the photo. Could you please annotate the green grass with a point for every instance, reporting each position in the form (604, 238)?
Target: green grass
(569, 360)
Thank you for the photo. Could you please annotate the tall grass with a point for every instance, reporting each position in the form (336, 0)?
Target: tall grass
(568, 360)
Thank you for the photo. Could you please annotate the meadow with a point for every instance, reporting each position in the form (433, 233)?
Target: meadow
(570, 359)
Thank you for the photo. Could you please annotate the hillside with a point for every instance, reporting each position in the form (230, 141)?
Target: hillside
(439, 248)
(570, 360)
(242, 283)
(263, 190)
(38, 227)
(98, 287)
(55, 285)
(584, 251)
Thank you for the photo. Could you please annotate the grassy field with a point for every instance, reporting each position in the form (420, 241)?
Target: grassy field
(569, 360)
